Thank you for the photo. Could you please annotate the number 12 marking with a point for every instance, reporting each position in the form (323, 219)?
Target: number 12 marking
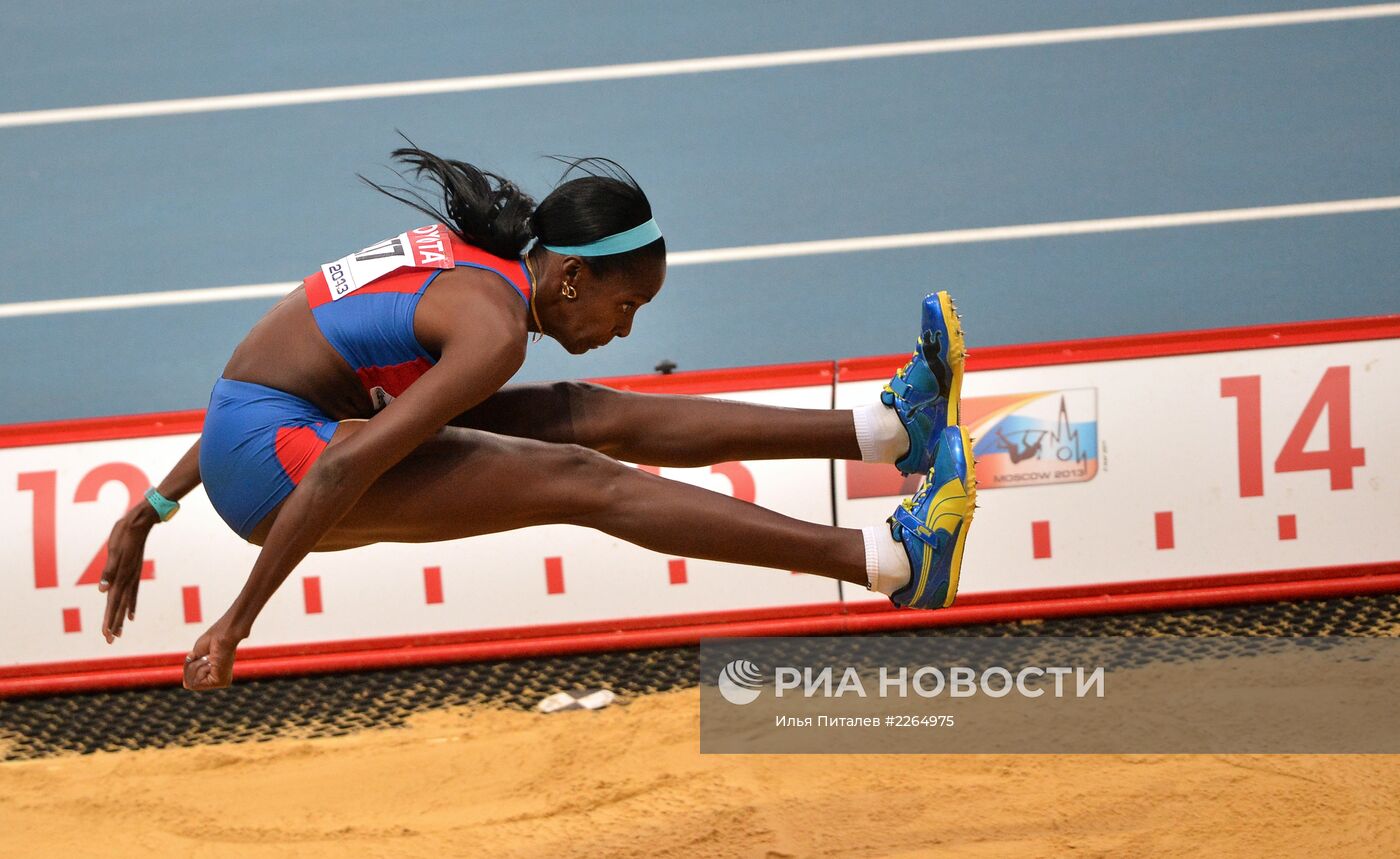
(44, 485)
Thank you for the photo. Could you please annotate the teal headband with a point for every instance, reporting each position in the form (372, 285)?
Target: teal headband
(619, 243)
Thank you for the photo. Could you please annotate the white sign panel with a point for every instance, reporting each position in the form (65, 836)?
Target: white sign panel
(1103, 475)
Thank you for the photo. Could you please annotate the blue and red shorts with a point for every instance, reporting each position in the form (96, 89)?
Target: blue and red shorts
(258, 444)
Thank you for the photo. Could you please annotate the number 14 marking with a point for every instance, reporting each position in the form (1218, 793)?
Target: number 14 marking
(1340, 459)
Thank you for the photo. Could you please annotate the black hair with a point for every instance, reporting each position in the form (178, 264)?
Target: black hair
(494, 214)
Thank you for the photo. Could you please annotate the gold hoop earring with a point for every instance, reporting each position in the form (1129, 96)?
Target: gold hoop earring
(569, 291)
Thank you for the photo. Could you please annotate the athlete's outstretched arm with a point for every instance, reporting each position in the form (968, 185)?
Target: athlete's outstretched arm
(126, 547)
(484, 349)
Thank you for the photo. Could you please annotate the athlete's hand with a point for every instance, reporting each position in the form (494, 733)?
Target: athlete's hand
(209, 664)
(121, 577)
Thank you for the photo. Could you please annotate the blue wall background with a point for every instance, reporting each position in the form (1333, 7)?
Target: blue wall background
(1091, 130)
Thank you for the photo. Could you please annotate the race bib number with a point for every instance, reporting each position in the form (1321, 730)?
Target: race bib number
(425, 247)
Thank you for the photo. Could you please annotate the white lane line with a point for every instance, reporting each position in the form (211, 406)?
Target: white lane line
(776, 251)
(1029, 231)
(694, 66)
(129, 300)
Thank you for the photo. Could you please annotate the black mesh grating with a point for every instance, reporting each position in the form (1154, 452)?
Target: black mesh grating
(336, 704)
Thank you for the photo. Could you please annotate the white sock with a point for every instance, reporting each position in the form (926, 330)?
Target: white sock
(880, 433)
(886, 564)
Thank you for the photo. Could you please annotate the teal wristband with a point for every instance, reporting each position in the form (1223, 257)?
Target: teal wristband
(165, 508)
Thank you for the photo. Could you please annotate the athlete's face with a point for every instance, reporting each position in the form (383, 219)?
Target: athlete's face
(605, 307)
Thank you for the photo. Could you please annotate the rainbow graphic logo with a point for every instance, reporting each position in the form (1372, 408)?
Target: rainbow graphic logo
(1030, 439)
(1034, 439)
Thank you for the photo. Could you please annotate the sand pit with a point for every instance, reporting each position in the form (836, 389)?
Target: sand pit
(629, 781)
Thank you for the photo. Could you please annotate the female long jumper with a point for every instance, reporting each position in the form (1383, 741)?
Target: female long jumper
(370, 405)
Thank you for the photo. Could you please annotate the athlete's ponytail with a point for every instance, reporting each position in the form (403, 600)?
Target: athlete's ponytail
(494, 214)
(486, 210)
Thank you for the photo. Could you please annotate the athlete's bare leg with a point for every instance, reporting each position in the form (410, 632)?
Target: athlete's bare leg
(467, 482)
(658, 429)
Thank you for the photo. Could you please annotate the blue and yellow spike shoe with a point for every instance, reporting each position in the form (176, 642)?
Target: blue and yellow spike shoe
(933, 525)
(925, 392)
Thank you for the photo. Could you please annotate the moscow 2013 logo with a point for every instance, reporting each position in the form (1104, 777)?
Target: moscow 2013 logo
(740, 682)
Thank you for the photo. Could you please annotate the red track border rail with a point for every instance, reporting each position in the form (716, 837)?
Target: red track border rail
(1132, 346)
(691, 629)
